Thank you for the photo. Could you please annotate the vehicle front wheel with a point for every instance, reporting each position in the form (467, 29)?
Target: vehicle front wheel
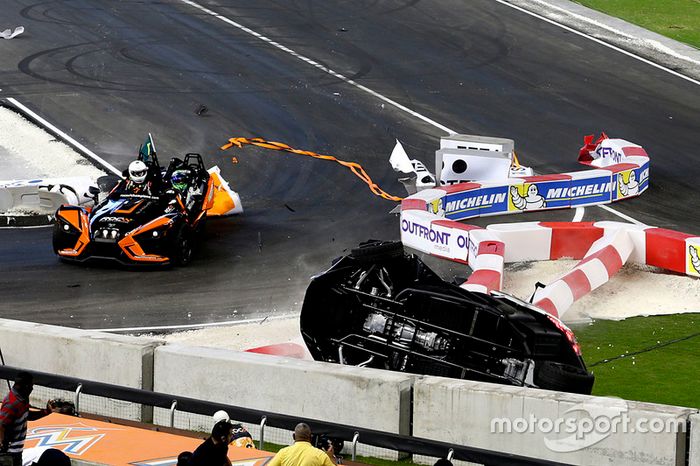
(182, 247)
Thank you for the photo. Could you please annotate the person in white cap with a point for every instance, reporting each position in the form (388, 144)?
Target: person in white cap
(240, 436)
(221, 415)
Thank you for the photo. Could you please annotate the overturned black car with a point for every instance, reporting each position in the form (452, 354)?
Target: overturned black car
(380, 307)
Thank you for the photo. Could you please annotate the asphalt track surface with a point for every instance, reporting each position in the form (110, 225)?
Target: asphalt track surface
(108, 72)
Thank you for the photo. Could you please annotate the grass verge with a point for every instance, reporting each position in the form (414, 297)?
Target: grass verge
(677, 19)
(651, 359)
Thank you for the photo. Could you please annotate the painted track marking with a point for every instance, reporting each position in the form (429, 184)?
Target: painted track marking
(87, 152)
(578, 215)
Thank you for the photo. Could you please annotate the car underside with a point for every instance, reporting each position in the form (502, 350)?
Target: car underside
(380, 307)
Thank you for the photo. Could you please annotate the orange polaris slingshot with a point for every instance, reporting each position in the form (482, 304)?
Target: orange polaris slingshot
(156, 226)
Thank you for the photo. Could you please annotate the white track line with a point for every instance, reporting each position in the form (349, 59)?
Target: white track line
(579, 214)
(194, 326)
(87, 152)
(317, 65)
(620, 214)
(599, 41)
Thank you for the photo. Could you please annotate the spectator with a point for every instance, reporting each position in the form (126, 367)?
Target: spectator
(14, 415)
(53, 457)
(183, 459)
(221, 415)
(214, 450)
(302, 453)
(443, 462)
(240, 436)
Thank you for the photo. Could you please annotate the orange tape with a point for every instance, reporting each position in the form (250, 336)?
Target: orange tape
(354, 167)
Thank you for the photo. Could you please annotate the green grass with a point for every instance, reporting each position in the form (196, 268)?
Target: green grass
(665, 368)
(677, 19)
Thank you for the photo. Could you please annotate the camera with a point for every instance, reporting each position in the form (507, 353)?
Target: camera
(324, 441)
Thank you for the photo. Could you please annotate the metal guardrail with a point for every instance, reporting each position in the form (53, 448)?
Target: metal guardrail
(397, 442)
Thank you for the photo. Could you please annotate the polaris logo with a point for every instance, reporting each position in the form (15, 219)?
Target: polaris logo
(115, 219)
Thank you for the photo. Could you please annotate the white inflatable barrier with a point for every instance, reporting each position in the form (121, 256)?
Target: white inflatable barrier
(44, 196)
(604, 248)
(484, 179)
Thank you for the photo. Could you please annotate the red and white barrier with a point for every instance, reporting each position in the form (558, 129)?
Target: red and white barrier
(604, 248)
(604, 259)
(486, 252)
(621, 170)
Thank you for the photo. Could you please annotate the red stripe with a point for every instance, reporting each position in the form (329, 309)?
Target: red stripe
(414, 204)
(451, 259)
(620, 167)
(666, 249)
(611, 259)
(548, 306)
(456, 188)
(552, 177)
(572, 239)
(491, 247)
(577, 282)
(290, 350)
(632, 151)
(489, 278)
(457, 225)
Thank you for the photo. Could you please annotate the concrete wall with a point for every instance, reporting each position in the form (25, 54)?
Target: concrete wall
(348, 395)
(694, 459)
(449, 410)
(462, 412)
(102, 357)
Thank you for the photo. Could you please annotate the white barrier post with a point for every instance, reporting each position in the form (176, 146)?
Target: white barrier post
(261, 443)
(77, 398)
(355, 438)
(172, 413)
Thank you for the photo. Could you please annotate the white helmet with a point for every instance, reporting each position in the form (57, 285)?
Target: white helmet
(137, 171)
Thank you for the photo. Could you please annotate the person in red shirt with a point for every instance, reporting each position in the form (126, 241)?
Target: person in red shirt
(14, 414)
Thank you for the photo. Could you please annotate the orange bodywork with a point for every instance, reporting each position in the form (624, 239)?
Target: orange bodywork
(133, 249)
(128, 211)
(78, 219)
(217, 201)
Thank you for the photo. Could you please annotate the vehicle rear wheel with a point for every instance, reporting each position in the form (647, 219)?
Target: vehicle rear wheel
(552, 375)
(182, 247)
(373, 249)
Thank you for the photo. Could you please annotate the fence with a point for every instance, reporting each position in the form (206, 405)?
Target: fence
(397, 442)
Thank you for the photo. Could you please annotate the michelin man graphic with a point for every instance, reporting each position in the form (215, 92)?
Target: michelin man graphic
(532, 201)
(435, 207)
(628, 189)
(694, 258)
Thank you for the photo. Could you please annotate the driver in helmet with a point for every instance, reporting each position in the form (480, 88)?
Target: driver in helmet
(179, 180)
(189, 192)
(137, 182)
